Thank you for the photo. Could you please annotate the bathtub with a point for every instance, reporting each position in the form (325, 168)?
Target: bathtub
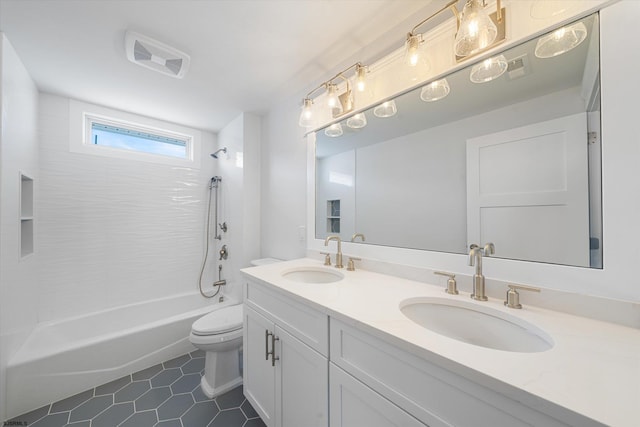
(65, 357)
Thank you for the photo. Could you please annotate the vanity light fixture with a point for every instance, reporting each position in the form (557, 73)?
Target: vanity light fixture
(334, 131)
(333, 102)
(361, 77)
(357, 121)
(337, 103)
(435, 90)
(307, 119)
(412, 49)
(477, 30)
(386, 109)
(561, 40)
(489, 69)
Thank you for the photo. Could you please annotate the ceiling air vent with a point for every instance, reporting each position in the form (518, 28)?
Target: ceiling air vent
(157, 56)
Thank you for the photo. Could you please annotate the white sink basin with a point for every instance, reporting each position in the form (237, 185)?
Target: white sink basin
(312, 275)
(473, 324)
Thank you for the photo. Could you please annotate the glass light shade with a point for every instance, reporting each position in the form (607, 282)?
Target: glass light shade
(361, 78)
(307, 118)
(435, 91)
(333, 102)
(412, 49)
(334, 131)
(489, 69)
(386, 109)
(561, 41)
(357, 121)
(477, 31)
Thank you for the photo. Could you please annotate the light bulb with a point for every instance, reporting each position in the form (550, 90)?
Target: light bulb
(306, 115)
(334, 131)
(435, 91)
(489, 69)
(361, 82)
(412, 49)
(386, 109)
(561, 41)
(333, 102)
(357, 121)
(477, 31)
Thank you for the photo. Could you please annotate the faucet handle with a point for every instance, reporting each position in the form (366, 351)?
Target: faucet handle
(489, 249)
(452, 287)
(351, 265)
(327, 258)
(513, 297)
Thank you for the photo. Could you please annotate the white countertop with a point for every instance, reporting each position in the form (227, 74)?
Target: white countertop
(593, 368)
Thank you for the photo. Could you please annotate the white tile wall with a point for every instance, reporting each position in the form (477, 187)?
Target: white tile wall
(114, 231)
(18, 153)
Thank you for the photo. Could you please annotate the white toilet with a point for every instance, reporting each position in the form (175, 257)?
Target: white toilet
(219, 334)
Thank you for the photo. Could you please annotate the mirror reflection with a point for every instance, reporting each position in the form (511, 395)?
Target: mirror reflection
(506, 150)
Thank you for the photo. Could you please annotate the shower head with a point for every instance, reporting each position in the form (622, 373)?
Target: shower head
(215, 155)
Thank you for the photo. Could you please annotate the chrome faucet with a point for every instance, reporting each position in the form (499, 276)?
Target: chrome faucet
(475, 258)
(339, 253)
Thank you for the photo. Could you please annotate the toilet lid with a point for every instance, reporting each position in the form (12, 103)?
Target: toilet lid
(226, 319)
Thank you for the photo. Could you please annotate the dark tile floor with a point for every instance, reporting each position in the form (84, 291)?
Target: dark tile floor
(165, 395)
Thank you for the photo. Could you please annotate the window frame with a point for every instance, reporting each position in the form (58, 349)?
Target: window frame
(83, 115)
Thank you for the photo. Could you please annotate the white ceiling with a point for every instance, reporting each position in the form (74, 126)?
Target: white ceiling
(246, 55)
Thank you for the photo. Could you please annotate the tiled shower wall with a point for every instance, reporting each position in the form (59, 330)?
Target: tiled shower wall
(114, 231)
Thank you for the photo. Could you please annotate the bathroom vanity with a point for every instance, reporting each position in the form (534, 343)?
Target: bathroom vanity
(342, 353)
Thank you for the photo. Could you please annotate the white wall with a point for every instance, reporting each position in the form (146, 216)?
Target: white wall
(18, 153)
(283, 184)
(114, 231)
(239, 198)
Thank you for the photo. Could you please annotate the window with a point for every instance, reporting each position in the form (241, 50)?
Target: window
(125, 138)
(102, 131)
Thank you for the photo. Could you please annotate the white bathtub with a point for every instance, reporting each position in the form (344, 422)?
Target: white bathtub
(65, 357)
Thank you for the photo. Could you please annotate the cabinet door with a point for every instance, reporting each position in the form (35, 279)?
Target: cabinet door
(259, 375)
(301, 384)
(353, 404)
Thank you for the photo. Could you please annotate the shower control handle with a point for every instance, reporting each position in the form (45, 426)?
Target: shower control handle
(223, 252)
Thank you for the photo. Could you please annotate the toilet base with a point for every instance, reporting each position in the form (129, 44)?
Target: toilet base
(212, 392)
(221, 372)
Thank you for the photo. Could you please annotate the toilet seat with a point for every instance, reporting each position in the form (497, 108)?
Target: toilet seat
(225, 320)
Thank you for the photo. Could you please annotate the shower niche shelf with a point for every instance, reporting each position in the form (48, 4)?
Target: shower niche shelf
(333, 216)
(26, 215)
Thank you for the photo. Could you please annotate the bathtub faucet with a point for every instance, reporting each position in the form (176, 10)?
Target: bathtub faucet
(220, 281)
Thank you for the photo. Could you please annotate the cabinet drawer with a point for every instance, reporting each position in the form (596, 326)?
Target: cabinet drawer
(306, 324)
(353, 404)
(433, 395)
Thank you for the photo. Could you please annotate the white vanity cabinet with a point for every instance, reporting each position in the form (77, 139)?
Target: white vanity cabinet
(285, 359)
(400, 381)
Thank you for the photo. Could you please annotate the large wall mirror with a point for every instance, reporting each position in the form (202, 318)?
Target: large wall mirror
(513, 160)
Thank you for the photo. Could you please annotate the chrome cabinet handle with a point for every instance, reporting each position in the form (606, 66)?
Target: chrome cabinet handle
(274, 338)
(266, 344)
